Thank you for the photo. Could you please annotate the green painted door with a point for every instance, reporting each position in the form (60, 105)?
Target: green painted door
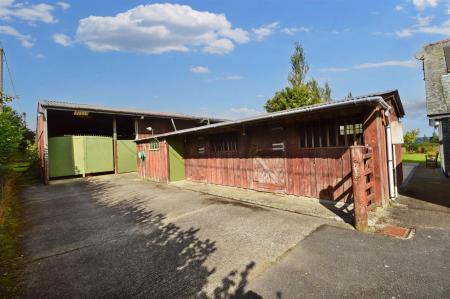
(176, 160)
(126, 156)
(75, 155)
(61, 157)
(98, 153)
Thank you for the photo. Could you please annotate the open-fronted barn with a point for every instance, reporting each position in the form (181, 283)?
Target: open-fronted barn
(312, 151)
(77, 139)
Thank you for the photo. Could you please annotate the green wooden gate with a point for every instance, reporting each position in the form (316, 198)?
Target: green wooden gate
(126, 156)
(75, 155)
(176, 160)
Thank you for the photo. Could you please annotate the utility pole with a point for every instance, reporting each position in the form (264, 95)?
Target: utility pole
(1, 80)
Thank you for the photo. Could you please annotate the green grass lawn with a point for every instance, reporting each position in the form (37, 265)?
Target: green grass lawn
(414, 158)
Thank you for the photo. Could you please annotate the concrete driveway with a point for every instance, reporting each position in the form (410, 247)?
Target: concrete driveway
(120, 236)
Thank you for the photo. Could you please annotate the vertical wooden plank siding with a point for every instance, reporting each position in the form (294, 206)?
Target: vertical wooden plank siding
(320, 173)
(155, 165)
(374, 136)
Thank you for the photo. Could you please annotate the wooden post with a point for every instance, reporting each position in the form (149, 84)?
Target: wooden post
(116, 169)
(359, 188)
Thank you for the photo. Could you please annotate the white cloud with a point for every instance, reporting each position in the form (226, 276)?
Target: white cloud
(422, 4)
(370, 65)
(63, 5)
(414, 108)
(62, 39)
(25, 40)
(423, 21)
(159, 28)
(260, 96)
(390, 63)
(334, 69)
(293, 30)
(265, 30)
(232, 77)
(336, 31)
(219, 46)
(40, 12)
(40, 56)
(199, 69)
(398, 7)
(240, 112)
(443, 29)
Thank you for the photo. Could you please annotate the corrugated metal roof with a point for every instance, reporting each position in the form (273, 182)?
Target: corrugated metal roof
(59, 105)
(289, 112)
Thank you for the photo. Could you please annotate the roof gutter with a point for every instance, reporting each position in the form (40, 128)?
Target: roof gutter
(372, 99)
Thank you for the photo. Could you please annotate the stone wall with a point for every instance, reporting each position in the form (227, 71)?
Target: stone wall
(438, 98)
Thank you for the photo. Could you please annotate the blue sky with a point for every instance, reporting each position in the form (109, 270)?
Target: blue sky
(220, 58)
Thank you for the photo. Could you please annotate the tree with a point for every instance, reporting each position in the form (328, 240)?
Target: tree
(291, 97)
(299, 93)
(349, 95)
(11, 134)
(434, 138)
(299, 67)
(316, 90)
(325, 92)
(410, 139)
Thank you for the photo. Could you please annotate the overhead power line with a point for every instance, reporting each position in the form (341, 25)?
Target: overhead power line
(11, 80)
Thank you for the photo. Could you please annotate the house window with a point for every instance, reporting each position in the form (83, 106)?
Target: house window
(447, 57)
(224, 143)
(201, 150)
(154, 145)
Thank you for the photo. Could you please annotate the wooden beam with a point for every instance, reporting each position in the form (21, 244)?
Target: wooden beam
(336, 131)
(116, 169)
(328, 134)
(136, 128)
(320, 136)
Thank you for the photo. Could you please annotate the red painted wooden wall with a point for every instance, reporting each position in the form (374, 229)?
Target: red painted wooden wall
(316, 172)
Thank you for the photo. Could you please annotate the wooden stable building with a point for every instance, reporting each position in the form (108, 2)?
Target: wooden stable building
(78, 139)
(305, 151)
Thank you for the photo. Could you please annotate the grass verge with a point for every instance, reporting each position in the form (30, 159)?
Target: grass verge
(10, 229)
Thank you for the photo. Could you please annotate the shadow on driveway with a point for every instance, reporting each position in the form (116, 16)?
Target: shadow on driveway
(77, 247)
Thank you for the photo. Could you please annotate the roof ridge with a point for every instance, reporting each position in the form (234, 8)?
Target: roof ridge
(73, 105)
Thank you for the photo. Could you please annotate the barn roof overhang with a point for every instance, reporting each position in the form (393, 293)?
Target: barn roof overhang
(65, 106)
(377, 99)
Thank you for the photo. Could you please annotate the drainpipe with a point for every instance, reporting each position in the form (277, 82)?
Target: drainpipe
(391, 169)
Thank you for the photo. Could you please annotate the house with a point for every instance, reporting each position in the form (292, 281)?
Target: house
(78, 139)
(436, 68)
(304, 151)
